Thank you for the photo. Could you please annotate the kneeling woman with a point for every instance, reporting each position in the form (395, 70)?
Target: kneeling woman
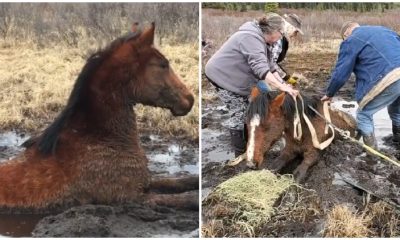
(243, 61)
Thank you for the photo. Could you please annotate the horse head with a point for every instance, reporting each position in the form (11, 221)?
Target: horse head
(265, 124)
(149, 77)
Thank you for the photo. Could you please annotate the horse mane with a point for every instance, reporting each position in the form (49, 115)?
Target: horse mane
(289, 108)
(47, 141)
(259, 105)
(260, 102)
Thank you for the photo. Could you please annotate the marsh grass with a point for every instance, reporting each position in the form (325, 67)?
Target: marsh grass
(35, 84)
(248, 199)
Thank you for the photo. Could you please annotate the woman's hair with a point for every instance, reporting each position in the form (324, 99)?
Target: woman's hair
(270, 23)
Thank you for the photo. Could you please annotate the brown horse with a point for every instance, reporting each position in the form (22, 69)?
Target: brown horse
(268, 117)
(91, 152)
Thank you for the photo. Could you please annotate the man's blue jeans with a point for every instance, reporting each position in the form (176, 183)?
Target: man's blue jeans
(390, 97)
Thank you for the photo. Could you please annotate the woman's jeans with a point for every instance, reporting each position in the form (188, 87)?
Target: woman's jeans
(389, 97)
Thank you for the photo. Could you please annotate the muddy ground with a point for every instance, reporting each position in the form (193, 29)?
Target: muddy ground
(343, 174)
(168, 157)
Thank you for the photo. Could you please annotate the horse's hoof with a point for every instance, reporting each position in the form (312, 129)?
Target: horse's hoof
(276, 166)
(299, 175)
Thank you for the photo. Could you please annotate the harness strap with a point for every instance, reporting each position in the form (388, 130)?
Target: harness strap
(297, 129)
(313, 133)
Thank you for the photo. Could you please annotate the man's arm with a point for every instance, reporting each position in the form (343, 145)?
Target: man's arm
(343, 69)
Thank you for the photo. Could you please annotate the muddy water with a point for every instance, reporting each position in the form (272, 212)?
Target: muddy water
(20, 225)
(165, 158)
(382, 122)
(171, 159)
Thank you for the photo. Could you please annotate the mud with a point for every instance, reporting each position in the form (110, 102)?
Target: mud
(344, 174)
(168, 157)
(118, 221)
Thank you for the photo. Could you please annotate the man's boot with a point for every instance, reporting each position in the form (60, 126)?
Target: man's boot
(396, 134)
(370, 140)
(238, 141)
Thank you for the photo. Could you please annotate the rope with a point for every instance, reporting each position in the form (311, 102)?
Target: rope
(346, 135)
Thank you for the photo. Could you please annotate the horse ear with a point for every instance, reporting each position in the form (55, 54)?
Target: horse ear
(134, 27)
(254, 93)
(147, 37)
(278, 101)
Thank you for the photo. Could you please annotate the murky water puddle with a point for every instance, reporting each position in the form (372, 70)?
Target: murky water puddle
(10, 144)
(215, 146)
(382, 122)
(165, 159)
(18, 225)
(171, 159)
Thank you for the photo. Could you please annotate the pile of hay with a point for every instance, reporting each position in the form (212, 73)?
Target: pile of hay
(244, 203)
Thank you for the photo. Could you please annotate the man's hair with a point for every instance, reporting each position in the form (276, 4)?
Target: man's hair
(270, 23)
(346, 25)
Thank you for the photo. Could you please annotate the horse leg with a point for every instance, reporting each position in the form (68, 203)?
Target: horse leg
(310, 158)
(174, 184)
(287, 155)
(187, 200)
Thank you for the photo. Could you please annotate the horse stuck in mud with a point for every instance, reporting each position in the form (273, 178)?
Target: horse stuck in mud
(269, 118)
(91, 153)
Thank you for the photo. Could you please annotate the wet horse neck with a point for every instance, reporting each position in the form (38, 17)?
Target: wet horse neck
(109, 117)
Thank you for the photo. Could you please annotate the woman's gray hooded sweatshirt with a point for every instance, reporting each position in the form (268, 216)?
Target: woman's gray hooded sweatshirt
(241, 61)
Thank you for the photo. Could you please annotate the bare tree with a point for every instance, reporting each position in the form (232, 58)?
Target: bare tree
(6, 19)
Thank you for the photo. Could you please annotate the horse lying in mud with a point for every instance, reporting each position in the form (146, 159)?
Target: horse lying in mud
(268, 118)
(91, 153)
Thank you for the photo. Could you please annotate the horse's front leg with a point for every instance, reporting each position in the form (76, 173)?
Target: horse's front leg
(174, 184)
(310, 158)
(187, 200)
(288, 153)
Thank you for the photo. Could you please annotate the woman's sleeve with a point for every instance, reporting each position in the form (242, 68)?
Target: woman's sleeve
(255, 53)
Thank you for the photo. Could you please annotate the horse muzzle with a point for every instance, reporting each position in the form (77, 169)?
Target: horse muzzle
(184, 106)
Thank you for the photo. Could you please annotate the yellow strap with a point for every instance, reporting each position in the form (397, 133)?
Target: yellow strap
(327, 115)
(373, 151)
(297, 129)
(314, 136)
(297, 133)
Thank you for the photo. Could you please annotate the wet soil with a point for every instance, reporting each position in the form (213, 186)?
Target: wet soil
(344, 174)
(119, 221)
(168, 157)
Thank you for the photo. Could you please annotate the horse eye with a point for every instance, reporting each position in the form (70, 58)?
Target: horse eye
(164, 64)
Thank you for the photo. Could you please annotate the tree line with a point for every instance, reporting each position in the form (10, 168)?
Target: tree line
(73, 22)
(271, 6)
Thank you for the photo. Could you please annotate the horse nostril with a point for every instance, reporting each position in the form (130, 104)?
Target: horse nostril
(190, 98)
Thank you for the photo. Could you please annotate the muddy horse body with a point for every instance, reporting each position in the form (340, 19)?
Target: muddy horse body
(91, 153)
(268, 117)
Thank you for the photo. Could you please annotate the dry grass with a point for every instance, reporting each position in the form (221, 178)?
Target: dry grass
(385, 219)
(343, 222)
(244, 203)
(321, 28)
(35, 84)
(378, 219)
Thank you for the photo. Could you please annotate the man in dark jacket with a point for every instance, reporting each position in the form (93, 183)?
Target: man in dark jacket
(373, 54)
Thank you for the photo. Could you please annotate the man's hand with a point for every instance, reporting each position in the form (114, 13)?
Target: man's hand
(326, 98)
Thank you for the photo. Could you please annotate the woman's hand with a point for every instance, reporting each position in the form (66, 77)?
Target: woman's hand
(289, 89)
